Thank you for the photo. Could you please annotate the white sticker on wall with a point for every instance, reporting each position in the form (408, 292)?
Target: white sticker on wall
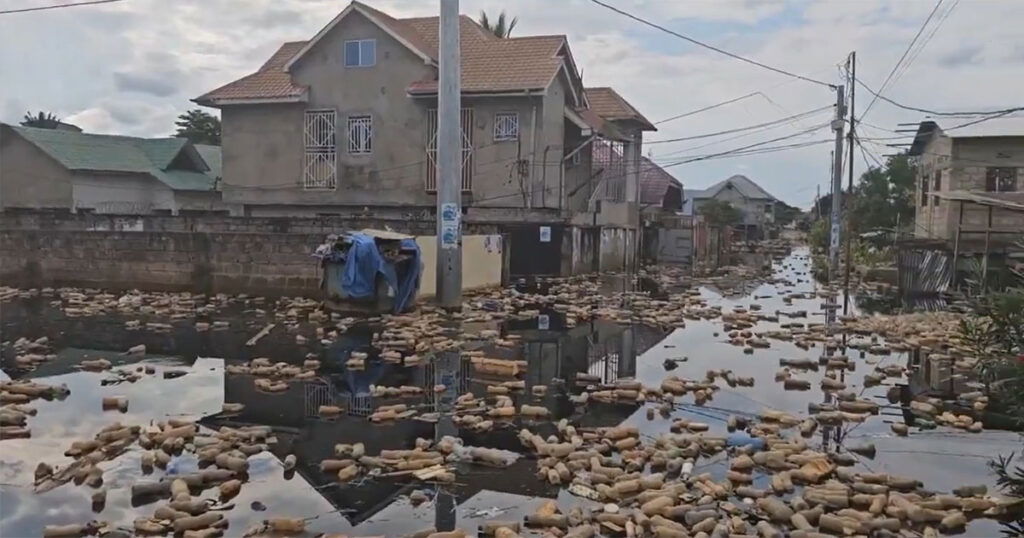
(545, 234)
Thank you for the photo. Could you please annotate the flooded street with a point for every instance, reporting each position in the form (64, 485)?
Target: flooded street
(183, 375)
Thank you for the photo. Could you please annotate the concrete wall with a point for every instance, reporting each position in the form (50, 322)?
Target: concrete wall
(131, 194)
(961, 165)
(207, 253)
(28, 177)
(482, 262)
(262, 150)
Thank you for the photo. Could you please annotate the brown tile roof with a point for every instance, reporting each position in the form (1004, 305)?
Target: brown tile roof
(655, 183)
(611, 106)
(271, 81)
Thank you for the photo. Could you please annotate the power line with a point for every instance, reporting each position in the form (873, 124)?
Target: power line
(57, 6)
(903, 57)
(709, 107)
(711, 47)
(916, 53)
(739, 129)
(933, 112)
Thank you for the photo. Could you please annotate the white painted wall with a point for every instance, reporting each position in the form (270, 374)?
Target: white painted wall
(121, 194)
(481, 262)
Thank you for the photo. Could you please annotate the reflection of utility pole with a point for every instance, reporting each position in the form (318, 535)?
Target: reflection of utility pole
(446, 372)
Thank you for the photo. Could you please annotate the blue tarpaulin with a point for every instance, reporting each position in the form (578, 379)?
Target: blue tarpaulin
(363, 262)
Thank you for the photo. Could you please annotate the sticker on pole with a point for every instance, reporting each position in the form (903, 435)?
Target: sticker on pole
(450, 221)
(545, 234)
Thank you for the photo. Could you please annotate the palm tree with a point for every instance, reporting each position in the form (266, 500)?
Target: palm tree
(499, 28)
(43, 120)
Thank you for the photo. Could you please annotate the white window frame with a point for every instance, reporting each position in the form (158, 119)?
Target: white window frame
(320, 158)
(506, 126)
(360, 134)
(359, 63)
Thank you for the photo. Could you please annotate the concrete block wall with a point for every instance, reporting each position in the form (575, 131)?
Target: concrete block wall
(209, 254)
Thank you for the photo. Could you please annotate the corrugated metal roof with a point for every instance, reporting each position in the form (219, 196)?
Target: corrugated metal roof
(112, 153)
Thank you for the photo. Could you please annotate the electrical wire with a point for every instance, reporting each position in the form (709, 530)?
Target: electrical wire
(740, 129)
(711, 47)
(709, 107)
(892, 71)
(933, 112)
(916, 53)
(57, 6)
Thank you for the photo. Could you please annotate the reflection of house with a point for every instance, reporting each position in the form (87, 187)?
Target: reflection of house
(66, 169)
(755, 205)
(970, 177)
(296, 142)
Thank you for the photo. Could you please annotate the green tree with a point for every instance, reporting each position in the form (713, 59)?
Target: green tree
(719, 213)
(199, 127)
(785, 213)
(501, 27)
(42, 120)
(883, 193)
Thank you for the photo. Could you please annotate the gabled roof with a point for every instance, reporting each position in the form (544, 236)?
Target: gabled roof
(210, 155)
(122, 154)
(655, 183)
(488, 64)
(611, 106)
(271, 83)
(741, 183)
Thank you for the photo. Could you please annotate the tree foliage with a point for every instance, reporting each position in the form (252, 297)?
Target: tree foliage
(719, 213)
(198, 126)
(42, 120)
(785, 213)
(883, 193)
(500, 27)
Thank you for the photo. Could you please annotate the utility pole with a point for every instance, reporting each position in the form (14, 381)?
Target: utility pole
(837, 186)
(849, 197)
(449, 161)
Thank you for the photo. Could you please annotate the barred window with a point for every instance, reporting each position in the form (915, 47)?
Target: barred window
(1001, 179)
(506, 126)
(320, 162)
(360, 135)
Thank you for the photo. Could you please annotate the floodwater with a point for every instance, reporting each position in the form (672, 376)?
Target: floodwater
(942, 458)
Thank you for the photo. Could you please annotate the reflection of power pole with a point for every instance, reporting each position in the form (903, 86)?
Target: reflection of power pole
(446, 372)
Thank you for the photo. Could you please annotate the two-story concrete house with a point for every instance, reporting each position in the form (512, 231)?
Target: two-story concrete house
(346, 123)
(755, 205)
(970, 176)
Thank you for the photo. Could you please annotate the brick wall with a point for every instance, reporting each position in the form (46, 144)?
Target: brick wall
(208, 254)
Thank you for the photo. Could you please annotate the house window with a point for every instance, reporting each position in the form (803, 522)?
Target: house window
(320, 163)
(1000, 179)
(768, 209)
(360, 135)
(361, 53)
(924, 190)
(506, 126)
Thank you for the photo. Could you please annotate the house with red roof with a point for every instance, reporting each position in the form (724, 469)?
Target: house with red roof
(345, 123)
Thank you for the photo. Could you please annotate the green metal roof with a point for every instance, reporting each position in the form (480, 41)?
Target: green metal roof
(110, 153)
(210, 154)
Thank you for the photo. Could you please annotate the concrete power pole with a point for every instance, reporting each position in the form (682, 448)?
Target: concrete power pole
(837, 185)
(449, 161)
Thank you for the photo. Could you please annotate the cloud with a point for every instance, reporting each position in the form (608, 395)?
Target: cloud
(130, 68)
(154, 84)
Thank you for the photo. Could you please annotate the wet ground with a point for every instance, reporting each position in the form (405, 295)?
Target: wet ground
(942, 458)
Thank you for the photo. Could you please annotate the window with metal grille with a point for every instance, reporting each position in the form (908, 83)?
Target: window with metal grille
(506, 126)
(360, 135)
(924, 190)
(466, 123)
(1001, 179)
(320, 162)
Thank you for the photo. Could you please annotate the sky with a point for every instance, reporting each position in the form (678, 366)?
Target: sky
(132, 66)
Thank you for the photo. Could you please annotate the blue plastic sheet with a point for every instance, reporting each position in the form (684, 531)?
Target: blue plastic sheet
(364, 262)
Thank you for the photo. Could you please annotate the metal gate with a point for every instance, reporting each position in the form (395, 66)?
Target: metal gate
(535, 250)
(466, 120)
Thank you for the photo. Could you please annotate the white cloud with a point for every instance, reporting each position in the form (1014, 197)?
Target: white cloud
(132, 66)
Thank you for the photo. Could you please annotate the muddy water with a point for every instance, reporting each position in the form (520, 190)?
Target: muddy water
(942, 458)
